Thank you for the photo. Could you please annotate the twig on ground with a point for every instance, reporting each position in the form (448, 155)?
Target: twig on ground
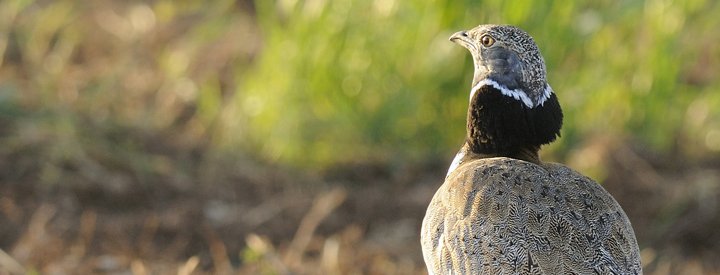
(9, 264)
(189, 266)
(36, 233)
(322, 207)
(218, 253)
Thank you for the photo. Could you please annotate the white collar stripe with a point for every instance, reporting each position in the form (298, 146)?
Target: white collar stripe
(456, 162)
(515, 93)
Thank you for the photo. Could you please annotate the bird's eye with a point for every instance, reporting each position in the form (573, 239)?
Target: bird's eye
(487, 40)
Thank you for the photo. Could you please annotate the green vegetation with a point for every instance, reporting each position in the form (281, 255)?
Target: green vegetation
(312, 83)
(342, 79)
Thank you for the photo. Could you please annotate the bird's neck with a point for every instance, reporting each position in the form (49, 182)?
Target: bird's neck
(501, 126)
(526, 153)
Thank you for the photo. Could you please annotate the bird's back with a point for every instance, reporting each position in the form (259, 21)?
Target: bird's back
(508, 216)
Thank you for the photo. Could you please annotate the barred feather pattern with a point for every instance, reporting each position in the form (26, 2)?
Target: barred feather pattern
(508, 216)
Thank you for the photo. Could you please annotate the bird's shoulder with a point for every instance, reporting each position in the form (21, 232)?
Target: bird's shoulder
(514, 177)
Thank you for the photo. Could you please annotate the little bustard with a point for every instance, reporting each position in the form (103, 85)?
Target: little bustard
(503, 211)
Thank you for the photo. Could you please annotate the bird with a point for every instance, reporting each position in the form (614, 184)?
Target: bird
(501, 210)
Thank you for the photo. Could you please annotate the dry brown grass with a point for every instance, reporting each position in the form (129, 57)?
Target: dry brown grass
(354, 219)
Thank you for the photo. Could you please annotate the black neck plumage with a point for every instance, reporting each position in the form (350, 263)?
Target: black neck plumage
(502, 126)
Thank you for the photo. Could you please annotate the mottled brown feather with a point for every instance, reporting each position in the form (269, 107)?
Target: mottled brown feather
(508, 216)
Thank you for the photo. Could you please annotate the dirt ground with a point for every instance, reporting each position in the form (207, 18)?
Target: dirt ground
(244, 217)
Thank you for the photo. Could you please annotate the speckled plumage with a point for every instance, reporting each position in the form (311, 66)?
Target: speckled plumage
(503, 211)
(532, 78)
(508, 216)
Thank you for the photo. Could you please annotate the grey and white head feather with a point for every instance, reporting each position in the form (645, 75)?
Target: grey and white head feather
(511, 62)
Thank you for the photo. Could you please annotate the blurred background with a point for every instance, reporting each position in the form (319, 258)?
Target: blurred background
(307, 137)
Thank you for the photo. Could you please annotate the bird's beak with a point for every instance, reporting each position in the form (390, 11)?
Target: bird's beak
(462, 39)
(460, 36)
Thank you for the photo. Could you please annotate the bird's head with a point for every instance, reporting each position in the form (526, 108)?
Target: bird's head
(507, 59)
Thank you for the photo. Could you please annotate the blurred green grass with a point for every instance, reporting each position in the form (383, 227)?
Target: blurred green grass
(313, 83)
(348, 80)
